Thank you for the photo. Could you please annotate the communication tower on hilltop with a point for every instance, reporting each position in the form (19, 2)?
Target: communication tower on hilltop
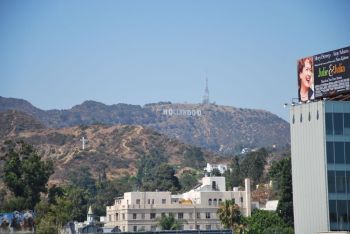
(206, 93)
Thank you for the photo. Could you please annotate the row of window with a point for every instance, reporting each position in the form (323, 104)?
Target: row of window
(214, 201)
(339, 214)
(180, 216)
(339, 181)
(338, 124)
(338, 152)
(181, 227)
(149, 201)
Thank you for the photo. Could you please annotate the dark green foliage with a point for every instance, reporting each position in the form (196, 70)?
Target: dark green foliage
(108, 190)
(153, 174)
(26, 175)
(79, 198)
(265, 222)
(54, 193)
(169, 223)
(233, 176)
(193, 157)
(281, 173)
(215, 172)
(252, 166)
(145, 166)
(188, 181)
(230, 216)
(83, 179)
(14, 203)
(50, 218)
(165, 179)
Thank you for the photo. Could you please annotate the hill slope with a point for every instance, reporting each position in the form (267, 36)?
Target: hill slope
(217, 128)
(113, 149)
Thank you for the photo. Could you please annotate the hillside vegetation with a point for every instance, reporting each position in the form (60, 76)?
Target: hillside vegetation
(221, 129)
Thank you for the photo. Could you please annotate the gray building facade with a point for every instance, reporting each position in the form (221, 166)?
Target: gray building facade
(320, 144)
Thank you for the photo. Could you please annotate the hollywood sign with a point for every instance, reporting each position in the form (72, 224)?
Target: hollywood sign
(182, 112)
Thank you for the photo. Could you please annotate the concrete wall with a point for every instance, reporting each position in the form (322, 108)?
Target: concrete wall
(309, 168)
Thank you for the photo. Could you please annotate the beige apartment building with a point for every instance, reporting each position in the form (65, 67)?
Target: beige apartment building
(140, 211)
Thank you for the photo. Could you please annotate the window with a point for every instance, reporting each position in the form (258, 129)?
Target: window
(198, 215)
(346, 124)
(342, 213)
(116, 216)
(209, 202)
(182, 227)
(135, 228)
(241, 199)
(134, 216)
(110, 217)
(138, 201)
(340, 181)
(123, 216)
(330, 152)
(208, 227)
(220, 200)
(332, 211)
(149, 201)
(163, 201)
(339, 152)
(152, 201)
(213, 184)
(153, 227)
(331, 181)
(329, 124)
(153, 215)
(198, 227)
(142, 216)
(348, 182)
(347, 152)
(123, 228)
(207, 215)
(163, 215)
(338, 123)
(180, 216)
(190, 215)
(215, 202)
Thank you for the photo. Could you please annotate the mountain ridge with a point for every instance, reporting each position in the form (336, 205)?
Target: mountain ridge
(222, 129)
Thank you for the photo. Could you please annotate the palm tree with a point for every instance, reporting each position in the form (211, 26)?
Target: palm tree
(230, 216)
(169, 223)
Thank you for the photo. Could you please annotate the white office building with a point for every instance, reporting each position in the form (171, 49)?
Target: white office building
(320, 141)
(139, 211)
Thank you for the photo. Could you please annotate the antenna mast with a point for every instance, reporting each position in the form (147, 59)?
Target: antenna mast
(206, 92)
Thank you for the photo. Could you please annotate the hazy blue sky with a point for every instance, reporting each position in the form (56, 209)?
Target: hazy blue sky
(56, 54)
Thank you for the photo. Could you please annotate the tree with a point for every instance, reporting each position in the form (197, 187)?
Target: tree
(165, 179)
(233, 176)
(169, 223)
(215, 172)
(253, 165)
(281, 173)
(188, 180)
(230, 216)
(194, 157)
(26, 175)
(51, 217)
(83, 179)
(266, 222)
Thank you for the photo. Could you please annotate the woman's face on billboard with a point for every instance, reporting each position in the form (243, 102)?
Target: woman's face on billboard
(305, 76)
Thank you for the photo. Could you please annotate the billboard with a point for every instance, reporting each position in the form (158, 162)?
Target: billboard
(324, 75)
